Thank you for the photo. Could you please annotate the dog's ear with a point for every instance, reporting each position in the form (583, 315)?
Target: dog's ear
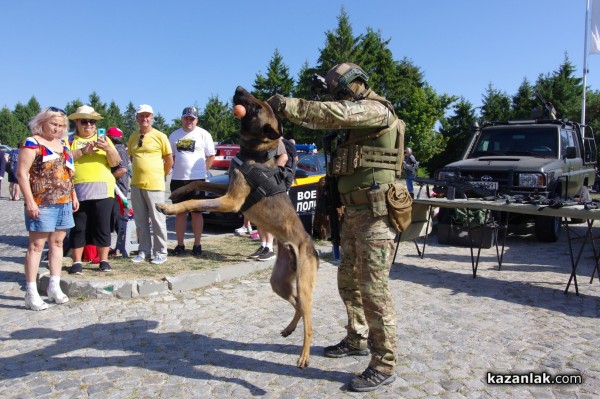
(271, 133)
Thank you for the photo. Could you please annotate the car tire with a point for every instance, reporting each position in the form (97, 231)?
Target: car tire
(547, 228)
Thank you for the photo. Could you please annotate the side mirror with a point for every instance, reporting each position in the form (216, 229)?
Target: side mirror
(571, 153)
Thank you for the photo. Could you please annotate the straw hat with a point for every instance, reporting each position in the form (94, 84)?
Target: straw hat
(85, 112)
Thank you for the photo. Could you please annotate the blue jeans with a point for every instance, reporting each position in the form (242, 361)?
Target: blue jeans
(409, 183)
(51, 218)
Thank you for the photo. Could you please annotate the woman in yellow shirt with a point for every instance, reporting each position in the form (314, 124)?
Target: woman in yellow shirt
(94, 185)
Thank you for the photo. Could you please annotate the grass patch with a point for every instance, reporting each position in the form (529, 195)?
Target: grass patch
(217, 251)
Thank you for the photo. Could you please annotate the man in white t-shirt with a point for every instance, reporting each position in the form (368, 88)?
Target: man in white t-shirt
(194, 153)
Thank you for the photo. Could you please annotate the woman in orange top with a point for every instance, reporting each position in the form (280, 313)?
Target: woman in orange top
(45, 173)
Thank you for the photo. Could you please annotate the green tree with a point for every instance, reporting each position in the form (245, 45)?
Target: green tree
(129, 122)
(276, 81)
(161, 124)
(402, 83)
(71, 108)
(113, 117)
(24, 113)
(11, 130)
(563, 90)
(218, 119)
(457, 132)
(420, 107)
(496, 105)
(340, 45)
(524, 101)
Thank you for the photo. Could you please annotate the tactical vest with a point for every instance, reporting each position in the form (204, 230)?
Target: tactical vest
(357, 162)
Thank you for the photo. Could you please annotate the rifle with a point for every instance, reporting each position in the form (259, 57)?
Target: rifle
(318, 88)
(332, 195)
(457, 188)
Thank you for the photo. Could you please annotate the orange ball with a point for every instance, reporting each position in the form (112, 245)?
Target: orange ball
(239, 111)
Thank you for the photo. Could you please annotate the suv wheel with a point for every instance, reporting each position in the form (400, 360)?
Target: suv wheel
(547, 228)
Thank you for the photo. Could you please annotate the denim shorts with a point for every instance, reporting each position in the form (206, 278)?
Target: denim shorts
(51, 218)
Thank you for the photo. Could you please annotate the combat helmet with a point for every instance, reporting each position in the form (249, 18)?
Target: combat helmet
(339, 77)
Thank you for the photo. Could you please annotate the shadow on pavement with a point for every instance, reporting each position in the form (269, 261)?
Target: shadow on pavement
(163, 352)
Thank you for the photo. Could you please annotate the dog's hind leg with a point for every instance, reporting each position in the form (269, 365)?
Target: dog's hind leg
(306, 277)
(293, 279)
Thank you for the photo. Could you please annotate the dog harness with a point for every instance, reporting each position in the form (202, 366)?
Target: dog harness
(264, 181)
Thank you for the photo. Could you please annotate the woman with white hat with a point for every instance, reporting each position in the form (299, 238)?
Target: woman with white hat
(95, 187)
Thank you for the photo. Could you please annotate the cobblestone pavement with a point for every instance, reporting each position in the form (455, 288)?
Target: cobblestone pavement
(224, 341)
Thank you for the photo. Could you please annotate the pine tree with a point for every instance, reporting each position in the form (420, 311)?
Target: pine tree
(218, 119)
(523, 102)
(496, 105)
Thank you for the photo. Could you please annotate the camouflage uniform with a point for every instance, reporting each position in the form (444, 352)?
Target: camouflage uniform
(367, 241)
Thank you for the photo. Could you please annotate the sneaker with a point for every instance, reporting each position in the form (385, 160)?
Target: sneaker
(178, 250)
(343, 349)
(266, 254)
(197, 250)
(255, 236)
(55, 294)
(34, 302)
(112, 253)
(257, 253)
(370, 380)
(159, 259)
(105, 266)
(139, 258)
(241, 231)
(76, 268)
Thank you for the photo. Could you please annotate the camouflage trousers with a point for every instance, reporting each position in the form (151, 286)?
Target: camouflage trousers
(367, 244)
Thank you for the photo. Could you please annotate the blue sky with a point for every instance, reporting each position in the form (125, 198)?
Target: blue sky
(173, 53)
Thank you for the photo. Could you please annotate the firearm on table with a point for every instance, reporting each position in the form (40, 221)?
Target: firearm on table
(457, 188)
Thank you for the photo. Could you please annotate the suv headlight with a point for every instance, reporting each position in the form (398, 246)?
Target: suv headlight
(447, 175)
(534, 180)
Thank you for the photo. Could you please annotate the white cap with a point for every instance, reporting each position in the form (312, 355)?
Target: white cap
(144, 108)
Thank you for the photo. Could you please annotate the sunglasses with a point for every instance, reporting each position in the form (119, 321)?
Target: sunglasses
(54, 109)
(140, 141)
(87, 122)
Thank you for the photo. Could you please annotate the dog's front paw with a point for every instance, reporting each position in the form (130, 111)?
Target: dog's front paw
(164, 208)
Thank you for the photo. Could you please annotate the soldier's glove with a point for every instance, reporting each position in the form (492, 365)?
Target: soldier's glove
(277, 103)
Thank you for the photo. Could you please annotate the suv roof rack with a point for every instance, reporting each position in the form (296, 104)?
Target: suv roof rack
(530, 122)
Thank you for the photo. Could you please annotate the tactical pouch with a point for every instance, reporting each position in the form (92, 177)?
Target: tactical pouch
(399, 206)
(345, 160)
(377, 202)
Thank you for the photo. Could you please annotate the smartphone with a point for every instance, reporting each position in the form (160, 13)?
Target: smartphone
(101, 134)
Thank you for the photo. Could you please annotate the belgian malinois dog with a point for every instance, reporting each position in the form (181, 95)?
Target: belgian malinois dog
(295, 271)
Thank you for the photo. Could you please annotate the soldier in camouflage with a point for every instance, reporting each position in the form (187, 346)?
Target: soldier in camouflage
(367, 238)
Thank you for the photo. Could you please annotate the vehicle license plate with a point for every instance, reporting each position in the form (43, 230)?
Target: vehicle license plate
(489, 185)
